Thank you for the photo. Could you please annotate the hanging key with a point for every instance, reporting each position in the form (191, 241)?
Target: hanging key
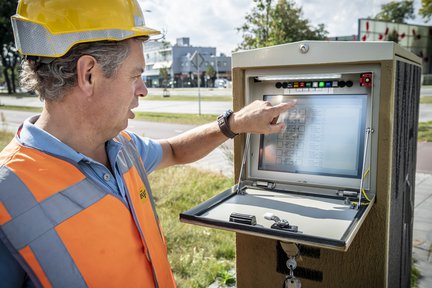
(292, 282)
(291, 264)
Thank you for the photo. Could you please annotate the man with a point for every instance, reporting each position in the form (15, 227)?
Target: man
(75, 205)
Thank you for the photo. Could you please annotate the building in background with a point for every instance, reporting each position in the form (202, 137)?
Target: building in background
(171, 66)
(415, 38)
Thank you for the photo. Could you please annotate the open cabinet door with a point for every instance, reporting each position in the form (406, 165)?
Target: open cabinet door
(326, 222)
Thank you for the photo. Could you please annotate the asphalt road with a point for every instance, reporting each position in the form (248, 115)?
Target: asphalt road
(426, 91)
(189, 107)
(13, 119)
(425, 113)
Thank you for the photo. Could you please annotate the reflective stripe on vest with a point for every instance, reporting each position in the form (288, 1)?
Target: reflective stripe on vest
(135, 177)
(33, 225)
(57, 230)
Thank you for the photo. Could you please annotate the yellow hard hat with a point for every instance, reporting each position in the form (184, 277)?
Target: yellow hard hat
(49, 28)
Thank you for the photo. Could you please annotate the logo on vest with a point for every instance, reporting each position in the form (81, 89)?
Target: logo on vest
(143, 194)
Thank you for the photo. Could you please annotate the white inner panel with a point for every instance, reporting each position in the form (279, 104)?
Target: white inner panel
(314, 216)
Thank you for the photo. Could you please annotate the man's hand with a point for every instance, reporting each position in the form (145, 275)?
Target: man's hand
(259, 117)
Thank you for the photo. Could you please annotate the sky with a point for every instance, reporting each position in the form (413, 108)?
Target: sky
(213, 23)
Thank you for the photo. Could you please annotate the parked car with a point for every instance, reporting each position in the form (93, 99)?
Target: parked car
(221, 83)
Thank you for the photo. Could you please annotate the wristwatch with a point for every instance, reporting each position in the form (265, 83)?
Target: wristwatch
(224, 125)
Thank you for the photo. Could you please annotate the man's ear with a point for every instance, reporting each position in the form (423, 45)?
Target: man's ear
(86, 69)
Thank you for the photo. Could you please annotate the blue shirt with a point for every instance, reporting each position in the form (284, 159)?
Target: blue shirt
(11, 273)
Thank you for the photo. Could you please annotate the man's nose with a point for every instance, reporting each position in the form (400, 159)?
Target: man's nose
(142, 90)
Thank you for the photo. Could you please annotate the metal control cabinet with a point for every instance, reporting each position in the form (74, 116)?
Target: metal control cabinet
(342, 173)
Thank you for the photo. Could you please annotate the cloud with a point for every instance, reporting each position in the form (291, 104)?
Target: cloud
(341, 17)
(207, 23)
(213, 22)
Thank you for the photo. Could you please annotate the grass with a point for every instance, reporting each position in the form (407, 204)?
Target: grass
(5, 138)
(187, 98)
(425, 131)
(21, 108)
(415, 275)
(145, 116)
(18, 95)
(198, 255)
(426, 100)
(175, 117)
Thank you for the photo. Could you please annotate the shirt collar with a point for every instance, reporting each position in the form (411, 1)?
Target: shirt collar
(32, 136)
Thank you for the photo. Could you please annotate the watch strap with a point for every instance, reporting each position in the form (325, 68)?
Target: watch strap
(224, 124)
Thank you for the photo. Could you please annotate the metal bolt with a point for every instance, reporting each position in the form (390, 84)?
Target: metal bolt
(304, 48)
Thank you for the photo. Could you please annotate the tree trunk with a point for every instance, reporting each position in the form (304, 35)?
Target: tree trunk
(5, 73)
(13, 80)
(7, 80)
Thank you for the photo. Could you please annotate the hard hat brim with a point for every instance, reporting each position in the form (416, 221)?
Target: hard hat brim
(33, 39)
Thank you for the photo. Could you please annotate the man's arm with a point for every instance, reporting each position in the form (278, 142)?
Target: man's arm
(258, 117)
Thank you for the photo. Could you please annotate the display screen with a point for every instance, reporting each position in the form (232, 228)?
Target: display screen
(324, 135)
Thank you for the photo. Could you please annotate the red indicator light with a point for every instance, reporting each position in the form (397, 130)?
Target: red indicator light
(302, 84)
(366, 80)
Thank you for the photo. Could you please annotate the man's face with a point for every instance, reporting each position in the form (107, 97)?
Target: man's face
(118, 95)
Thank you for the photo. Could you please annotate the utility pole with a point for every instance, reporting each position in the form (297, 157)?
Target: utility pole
(197, 60)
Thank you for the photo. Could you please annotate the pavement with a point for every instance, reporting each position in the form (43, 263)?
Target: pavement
(220, 161)
(422, 234)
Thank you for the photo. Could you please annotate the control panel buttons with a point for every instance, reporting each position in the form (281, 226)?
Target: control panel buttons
(366, 80)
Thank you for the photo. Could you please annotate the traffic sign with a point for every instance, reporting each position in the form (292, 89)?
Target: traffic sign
(197, 59)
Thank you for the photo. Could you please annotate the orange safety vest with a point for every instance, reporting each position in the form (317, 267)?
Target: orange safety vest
(68, 231)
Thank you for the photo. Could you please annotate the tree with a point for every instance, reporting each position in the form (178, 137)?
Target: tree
(269, 24)
(9, 60)
(164, 75)
(284, 31)
(211, 72)
(8, 55)
(396, 12)
(426, 9)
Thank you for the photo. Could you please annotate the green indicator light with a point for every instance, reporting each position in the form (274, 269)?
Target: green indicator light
(308, 84)
(321, 84)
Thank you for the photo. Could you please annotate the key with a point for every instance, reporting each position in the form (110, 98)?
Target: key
(292, 282)
(291, 264)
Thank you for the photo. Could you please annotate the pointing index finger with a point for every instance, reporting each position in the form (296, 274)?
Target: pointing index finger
(282, 107)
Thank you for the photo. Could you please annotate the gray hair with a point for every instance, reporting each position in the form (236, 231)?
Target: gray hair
(52, 80)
